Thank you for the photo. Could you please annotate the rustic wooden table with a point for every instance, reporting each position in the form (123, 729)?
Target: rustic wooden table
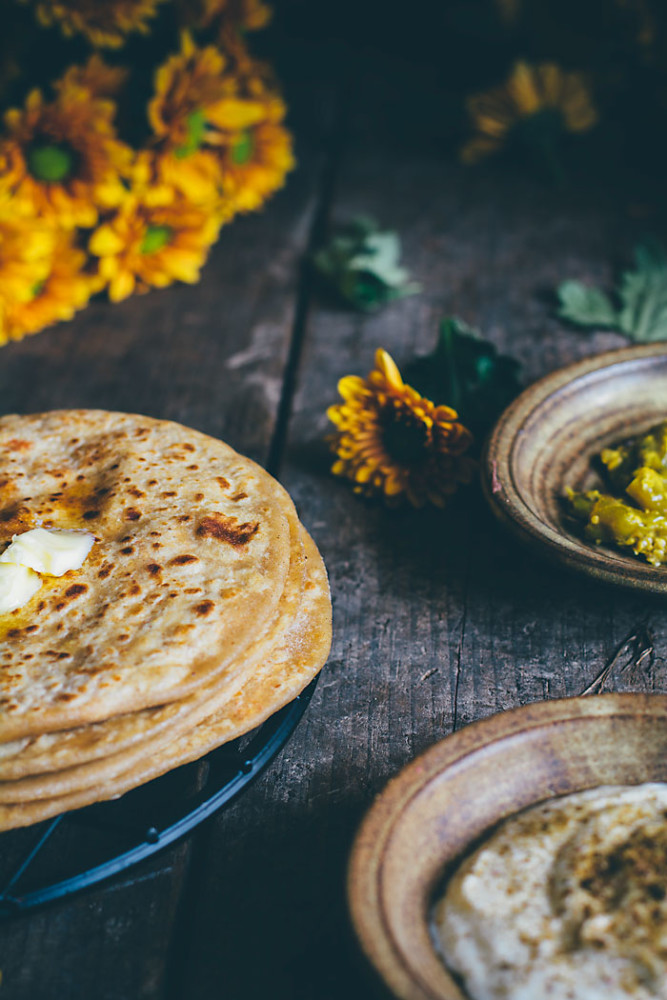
(438, 619)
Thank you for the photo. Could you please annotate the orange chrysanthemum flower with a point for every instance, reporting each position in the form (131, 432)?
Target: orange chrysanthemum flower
(105, 23)
(197, 177)
(392, 442)
(189, 87)
(544, 92)
(216, 130)
(255, 164)
(148, 245)
(64, 289)
(26, 252)
(63, 160)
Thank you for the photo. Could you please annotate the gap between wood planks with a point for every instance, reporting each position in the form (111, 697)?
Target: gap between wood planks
(317, 234)
(178, 981)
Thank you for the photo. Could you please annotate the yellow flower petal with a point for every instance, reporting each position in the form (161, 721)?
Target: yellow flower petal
(386, 365)
(121, 286)
(105, 242)
(234, 115)
(522, 85)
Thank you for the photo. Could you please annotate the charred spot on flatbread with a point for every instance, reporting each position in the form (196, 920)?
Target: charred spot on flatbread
(204, 607)
(227, 529)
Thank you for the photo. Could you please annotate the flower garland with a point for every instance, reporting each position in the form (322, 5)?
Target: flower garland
(96, 197)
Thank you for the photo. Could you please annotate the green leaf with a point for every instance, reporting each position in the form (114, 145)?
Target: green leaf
(467, 373)
(362, 264)
(641, 294)
(586, 306)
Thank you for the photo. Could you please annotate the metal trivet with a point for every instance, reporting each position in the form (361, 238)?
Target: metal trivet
(104, 839)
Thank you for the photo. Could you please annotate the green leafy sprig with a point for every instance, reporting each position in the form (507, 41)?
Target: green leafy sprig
(638, 307)
(361, 263)
(467, 373)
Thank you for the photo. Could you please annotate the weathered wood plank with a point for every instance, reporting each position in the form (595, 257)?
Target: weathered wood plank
(439, 620)
(211, 356)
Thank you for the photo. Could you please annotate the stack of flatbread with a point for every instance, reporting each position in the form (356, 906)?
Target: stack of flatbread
(202, 607)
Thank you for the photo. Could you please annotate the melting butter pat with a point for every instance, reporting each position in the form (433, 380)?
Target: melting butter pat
(17, 585)
(53, 551)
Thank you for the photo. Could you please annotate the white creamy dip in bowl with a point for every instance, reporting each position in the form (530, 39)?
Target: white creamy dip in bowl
(443, 805)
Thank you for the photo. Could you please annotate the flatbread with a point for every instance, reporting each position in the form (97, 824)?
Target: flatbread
(191, 556)
(68, 749)
(294, 662)
(125, 740)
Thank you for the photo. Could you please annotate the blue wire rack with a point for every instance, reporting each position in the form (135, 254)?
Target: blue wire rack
(128, 830)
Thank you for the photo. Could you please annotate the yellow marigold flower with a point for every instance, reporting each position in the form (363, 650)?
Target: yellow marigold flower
(65, 288)
(255, 164)
(26, 253)
(159, 177)
(188, 87)
(529, 92)
(218, 130)
(63, 159)
(255, 148)
(148, 245)
(105, 23)
(146, 181)
(394, 443)
(197, 177)
(97, 77)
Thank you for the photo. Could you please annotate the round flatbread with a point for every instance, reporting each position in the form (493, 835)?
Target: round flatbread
(190, 560)
(292, 664)
(63, 749)
(128, 739)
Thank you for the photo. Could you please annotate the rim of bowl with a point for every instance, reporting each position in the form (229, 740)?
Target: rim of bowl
(365, 886)
(506, 498)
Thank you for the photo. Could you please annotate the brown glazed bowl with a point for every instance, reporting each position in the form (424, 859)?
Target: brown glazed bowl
(545, 440)
(444, 801)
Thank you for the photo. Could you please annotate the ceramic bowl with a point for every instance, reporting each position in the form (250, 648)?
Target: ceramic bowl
(546, 440)
(441, 804)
